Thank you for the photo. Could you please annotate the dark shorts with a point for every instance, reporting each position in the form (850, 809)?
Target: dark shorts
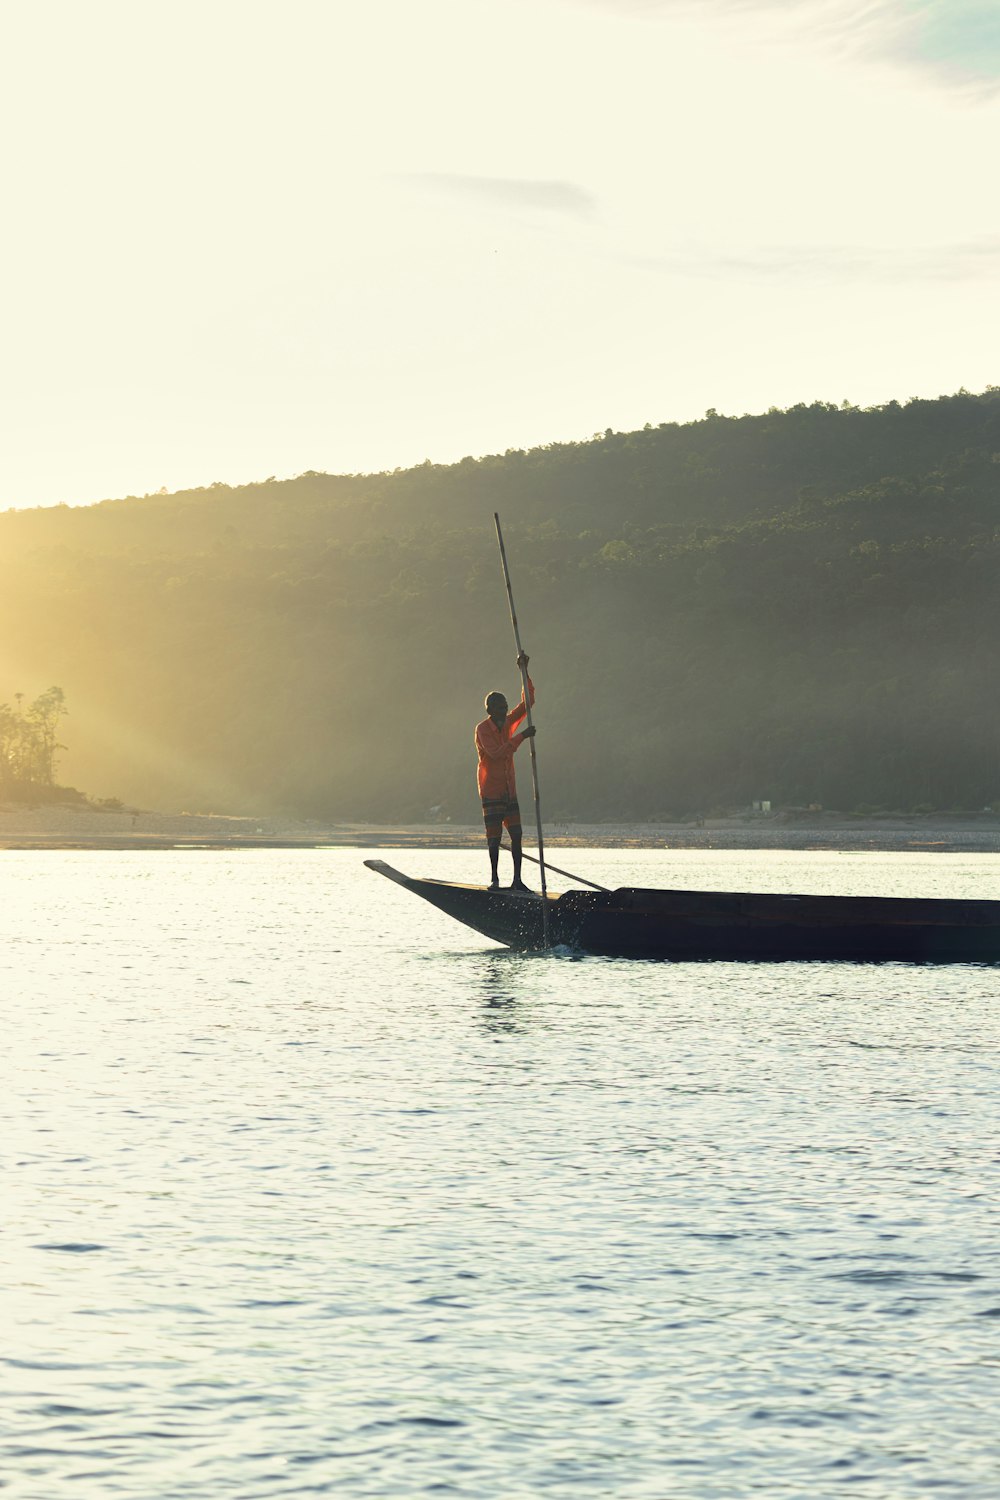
(498, 812)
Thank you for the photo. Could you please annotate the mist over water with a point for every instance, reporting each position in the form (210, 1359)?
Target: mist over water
(309, 1190)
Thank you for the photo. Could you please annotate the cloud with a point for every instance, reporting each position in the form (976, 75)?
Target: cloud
(513, 192)
(974, 260)
(956, 42)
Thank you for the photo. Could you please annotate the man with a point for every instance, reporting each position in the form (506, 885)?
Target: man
(495, 746)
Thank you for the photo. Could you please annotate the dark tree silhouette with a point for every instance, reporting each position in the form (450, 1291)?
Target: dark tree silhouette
(28, 742)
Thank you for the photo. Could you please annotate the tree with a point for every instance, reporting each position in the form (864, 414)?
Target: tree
(28, 742)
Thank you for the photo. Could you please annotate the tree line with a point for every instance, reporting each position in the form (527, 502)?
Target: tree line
(799, 605)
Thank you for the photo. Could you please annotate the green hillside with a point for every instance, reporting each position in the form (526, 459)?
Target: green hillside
(802, 605)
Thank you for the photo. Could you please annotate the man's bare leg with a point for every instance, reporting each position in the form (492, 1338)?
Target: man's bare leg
(493, 845)
(515, 849)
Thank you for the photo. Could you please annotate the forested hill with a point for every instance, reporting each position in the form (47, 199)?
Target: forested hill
(802, 606)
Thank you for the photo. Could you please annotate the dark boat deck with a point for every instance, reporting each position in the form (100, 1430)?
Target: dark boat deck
(705, 925)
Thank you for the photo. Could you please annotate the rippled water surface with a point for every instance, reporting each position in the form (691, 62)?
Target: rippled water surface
(308, 1190)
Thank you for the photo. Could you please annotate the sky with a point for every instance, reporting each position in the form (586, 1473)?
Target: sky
(246, 238)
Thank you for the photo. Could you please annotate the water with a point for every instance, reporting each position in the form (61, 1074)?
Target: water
(309, 1190)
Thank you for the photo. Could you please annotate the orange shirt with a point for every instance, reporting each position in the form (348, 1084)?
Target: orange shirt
(495, 748)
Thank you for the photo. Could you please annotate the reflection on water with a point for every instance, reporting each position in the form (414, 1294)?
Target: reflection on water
(506, 982)
(309, 1190)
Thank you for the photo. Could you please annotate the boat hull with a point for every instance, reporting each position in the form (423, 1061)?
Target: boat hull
(723, 925)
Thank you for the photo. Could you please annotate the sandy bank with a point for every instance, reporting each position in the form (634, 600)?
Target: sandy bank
(74, 827)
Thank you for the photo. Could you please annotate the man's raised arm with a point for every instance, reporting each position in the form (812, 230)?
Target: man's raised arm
(518, 713)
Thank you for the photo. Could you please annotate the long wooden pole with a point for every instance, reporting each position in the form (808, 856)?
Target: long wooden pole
(568, 873)
(531, 743)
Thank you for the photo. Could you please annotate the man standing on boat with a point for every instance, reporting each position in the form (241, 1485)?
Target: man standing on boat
(496, 742)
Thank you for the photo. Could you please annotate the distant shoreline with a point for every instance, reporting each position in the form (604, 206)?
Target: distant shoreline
(62, 827)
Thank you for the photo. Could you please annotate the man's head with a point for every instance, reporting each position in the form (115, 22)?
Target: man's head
(496, 707)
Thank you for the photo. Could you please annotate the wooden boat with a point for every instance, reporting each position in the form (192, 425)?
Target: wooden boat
(635, 923)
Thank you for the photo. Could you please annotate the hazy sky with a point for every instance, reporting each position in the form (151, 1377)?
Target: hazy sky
(254, 237)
